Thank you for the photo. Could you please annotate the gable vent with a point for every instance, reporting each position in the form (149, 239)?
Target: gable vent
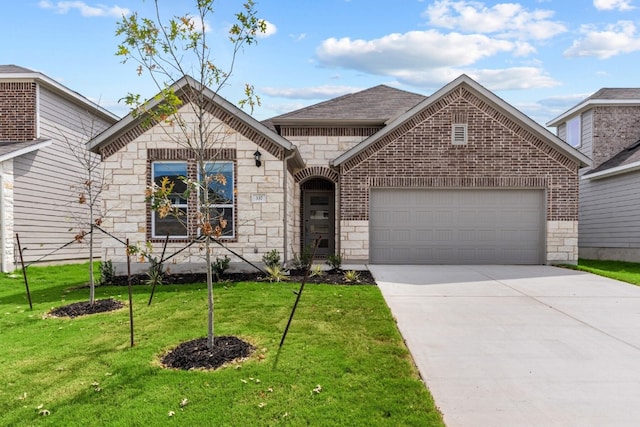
(459, 134)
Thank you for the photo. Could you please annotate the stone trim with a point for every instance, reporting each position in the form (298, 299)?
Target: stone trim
(186, 155)
(316, 172)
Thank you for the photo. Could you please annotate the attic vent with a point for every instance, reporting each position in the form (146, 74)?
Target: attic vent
(459, 134)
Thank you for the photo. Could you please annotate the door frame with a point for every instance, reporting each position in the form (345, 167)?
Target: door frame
(305, 195)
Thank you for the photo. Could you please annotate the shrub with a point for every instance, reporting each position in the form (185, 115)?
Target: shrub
(351, 276)
(155, 274)
(303, 261)
(271, 258)
(219, 266)
(334, 261)
(316, 270)
(107, 272)
(276, 274)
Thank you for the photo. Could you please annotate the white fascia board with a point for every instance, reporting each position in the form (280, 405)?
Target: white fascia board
(25, 150)
(631, 167)
(580, 108)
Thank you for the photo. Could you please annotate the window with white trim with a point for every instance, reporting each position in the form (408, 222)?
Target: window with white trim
(574, 132)
(221, 197)
(171, 225)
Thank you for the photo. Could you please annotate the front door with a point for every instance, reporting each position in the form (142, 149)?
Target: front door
(319, 221)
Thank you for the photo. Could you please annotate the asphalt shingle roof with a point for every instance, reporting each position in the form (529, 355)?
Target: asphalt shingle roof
(617, 93)
(379, 103)
(13, 69)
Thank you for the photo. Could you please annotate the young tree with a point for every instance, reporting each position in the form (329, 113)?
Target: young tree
(89, 185)
(168, 51)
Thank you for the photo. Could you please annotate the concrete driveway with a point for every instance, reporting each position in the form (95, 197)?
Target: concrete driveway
(520, 345)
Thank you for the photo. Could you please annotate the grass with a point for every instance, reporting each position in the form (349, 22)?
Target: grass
(343, 343)
(620, 270)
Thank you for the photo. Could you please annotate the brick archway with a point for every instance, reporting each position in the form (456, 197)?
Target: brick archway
(316, 172)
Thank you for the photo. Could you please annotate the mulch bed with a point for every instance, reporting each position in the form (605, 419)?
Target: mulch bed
(84, 308)
(333, 277)
(196, 355)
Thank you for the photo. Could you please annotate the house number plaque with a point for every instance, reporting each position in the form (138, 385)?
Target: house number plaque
(258, 198)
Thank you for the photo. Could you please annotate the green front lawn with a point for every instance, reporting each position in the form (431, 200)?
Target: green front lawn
(619, 270)
(344, 362)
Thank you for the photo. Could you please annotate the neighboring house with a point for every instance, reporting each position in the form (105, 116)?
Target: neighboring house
(382, 175)
(606, 128)
(38, 172)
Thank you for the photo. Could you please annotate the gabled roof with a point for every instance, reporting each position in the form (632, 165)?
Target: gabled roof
(131, 121)
(16, 73)
(488, 96)
(10, 149)
(625, 161)
(604, 96)
(372, 106)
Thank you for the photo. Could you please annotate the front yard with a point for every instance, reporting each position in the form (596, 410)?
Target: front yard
(343, 363)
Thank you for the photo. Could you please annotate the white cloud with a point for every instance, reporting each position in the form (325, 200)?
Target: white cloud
(64, 7)
(415, 50)
(317, 92)
(505, 20)
(614, 39)
(622, 5)
(270, 30)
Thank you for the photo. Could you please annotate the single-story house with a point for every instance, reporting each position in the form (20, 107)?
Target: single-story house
(606, 128)
(40, 120)
(382, 175)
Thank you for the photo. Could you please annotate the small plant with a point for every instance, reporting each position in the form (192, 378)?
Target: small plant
(276, 274)
(334, 261)
(155, 274)
(219, 266)
(303, 261)
(316, 270)
(351, 276)
(271, 258)
(107, 272)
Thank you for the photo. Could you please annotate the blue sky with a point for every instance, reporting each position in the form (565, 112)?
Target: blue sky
(541, 56)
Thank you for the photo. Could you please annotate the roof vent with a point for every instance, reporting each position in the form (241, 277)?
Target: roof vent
(459, 134)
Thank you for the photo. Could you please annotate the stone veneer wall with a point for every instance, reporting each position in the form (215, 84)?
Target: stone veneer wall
(7, 250)
(259, 225)
(499, 154)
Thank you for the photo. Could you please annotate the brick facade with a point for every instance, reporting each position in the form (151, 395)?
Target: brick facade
(499, 154)
(614, 129)
(18, 111)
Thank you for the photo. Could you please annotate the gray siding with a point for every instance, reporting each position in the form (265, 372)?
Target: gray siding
(586, 143)
(609, 212)
(47, 183)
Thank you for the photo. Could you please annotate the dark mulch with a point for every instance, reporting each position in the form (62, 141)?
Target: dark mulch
(195, 354)
(333, 277)
(84, 308)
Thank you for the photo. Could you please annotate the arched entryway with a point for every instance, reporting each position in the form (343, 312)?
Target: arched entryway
(317, 205)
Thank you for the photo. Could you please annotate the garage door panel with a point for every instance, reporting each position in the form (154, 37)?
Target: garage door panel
(456, 226)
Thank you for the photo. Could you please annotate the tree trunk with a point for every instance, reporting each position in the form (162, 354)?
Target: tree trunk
(210, 336)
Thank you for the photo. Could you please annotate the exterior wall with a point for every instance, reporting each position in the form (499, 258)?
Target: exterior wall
(614, 129)
(562, 242)
(259, 225)
(499, 154)
(7, 262)
(18, 111)
(609, 221)
(48, 182)
(586, 136)
(318, 147)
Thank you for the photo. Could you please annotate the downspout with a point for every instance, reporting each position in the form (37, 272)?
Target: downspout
(286, 202)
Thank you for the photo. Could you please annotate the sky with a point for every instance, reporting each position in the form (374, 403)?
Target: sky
(540, 56)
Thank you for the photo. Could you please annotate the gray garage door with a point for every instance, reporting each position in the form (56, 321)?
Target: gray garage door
(417, 226)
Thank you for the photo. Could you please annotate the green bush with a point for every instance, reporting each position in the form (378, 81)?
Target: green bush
(219, 266)
(334, 261)
(271, 258)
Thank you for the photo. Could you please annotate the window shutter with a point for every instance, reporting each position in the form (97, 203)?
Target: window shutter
(459, 134)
